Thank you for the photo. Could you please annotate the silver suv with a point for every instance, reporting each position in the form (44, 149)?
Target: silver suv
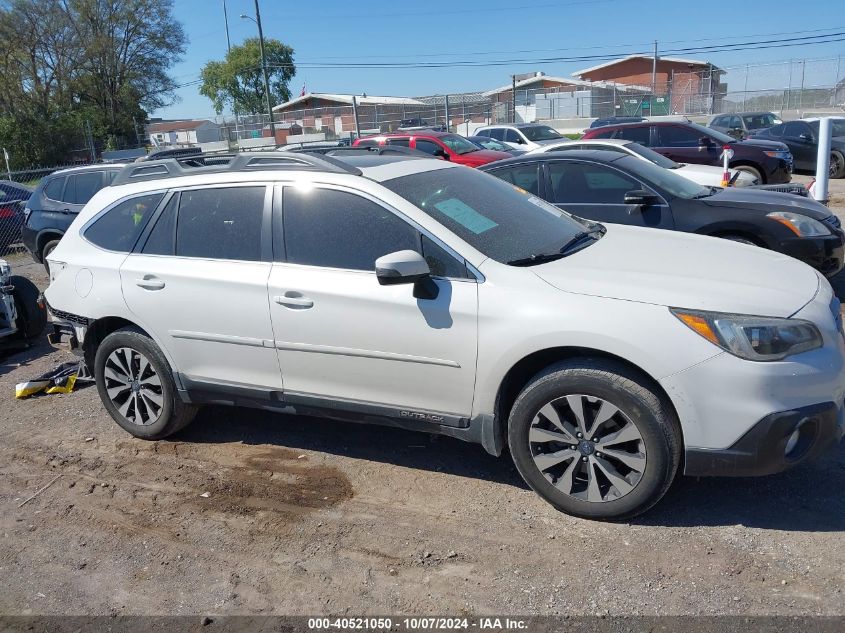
(417, 293)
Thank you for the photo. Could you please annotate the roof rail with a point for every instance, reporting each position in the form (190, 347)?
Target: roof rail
(221, 163)
(379, 150)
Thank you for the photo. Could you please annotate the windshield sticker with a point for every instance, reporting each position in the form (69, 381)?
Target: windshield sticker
(465, 215)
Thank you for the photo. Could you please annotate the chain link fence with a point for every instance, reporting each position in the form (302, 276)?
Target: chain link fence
(15, 190)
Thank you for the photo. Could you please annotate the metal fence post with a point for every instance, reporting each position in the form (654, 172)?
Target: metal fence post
(355, 113)
(446, 107)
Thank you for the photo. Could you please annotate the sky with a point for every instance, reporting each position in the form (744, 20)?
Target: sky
(333, 31)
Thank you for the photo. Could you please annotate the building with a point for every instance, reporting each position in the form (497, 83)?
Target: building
(333, 114)
(681, 86)
(188, 132)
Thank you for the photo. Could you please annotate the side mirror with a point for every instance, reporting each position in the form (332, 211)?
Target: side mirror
(806, 137)
(704, 142)
(401, 267)
(640, 198)
(519, 141)
(441, 153)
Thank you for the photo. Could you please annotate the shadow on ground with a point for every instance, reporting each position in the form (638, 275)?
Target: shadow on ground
(807, 499)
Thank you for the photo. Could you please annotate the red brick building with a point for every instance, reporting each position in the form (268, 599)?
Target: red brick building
(691, 85)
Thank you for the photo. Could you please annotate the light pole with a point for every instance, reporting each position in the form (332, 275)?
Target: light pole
(257, 20)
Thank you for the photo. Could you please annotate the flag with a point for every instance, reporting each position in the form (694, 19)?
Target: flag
(303, 91)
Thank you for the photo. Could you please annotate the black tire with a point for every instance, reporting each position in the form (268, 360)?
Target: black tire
(32, 314)
(173, 414)
(636, 401)
(49, 247)
(752, 171)
(837, 164)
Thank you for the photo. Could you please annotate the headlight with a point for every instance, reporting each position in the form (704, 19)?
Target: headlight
(801, 225)
(752, 337)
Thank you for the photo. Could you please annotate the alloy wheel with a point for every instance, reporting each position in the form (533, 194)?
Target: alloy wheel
(587, 448)
(834, 166)
(133, 386)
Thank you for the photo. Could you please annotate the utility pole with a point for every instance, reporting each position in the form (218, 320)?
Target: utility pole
(355, 114)
(513, 98)
(654, 73)
(257, 20)
(228, 49)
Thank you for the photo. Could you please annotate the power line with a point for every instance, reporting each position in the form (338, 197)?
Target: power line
(739, 46)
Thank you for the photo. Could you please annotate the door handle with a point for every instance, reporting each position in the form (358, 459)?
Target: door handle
(148, 282)
(65, 211)
(294, 299)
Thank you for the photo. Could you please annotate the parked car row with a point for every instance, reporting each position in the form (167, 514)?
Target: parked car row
(386, 286)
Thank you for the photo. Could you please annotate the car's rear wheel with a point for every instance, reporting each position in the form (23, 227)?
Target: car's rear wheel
(594, 439)
(49, 247)
(32, 314)
(751, 171)
(136, 385)
(837, 165)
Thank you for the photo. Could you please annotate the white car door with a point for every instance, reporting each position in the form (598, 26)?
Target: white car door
(197, 282)
(344, 340)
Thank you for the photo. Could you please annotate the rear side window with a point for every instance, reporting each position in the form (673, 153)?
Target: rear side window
(483, 133)
(162, 237)
(221, 223)
(54, 188)
(401, 142)
(336, 229)
(603, 134)
(119, 227)
(82, 187)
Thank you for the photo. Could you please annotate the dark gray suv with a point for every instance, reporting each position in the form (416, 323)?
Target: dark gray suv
(56, 202)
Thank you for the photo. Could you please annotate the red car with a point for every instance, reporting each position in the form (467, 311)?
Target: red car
(443, 145)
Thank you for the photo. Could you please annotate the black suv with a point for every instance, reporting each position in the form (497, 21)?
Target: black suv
(57, 200)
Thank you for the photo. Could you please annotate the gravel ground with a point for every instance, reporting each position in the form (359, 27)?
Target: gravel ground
(247, 512)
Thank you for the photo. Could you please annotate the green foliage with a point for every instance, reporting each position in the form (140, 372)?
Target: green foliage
(238, 81)
(68, 63)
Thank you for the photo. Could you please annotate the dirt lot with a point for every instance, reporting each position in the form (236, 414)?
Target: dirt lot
(307, 516)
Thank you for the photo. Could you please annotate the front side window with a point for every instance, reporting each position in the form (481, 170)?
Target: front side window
(636, 134)
(458, 144)
(525, 177)
(540, 133)
(337, 229)
(512, 136)
(494, 217)
(497, 133)
(584, 183)
(119, 228)
(677, 136)
(429, 147)
(795, 129)
(222, 223)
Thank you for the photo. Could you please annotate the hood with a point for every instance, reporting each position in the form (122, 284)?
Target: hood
(685, 271)
(481, 157)
(767, 201)
(760, 143)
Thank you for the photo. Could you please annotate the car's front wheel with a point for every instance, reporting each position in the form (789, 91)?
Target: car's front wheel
(136, 386)
(594, 439)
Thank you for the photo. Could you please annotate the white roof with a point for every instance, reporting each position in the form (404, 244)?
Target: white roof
(677, 60)
(347, 99)
(530, 80)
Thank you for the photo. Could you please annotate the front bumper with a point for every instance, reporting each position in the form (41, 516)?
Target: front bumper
(777, 442)
(826, 254)
(779, 171)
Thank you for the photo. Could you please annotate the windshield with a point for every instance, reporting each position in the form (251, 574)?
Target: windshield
(650, 155)
(668, 181)
(757, 121)
(459, 144)
(540, 133)
(498, 219)
(707, 131)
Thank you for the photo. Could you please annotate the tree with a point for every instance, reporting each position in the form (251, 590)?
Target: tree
(68, 64)
(238, 81)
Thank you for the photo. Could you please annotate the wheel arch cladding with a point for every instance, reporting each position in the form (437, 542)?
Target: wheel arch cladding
(99, 330)
(518, 376)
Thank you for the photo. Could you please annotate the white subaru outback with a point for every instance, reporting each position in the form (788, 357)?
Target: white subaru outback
(412, 292)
